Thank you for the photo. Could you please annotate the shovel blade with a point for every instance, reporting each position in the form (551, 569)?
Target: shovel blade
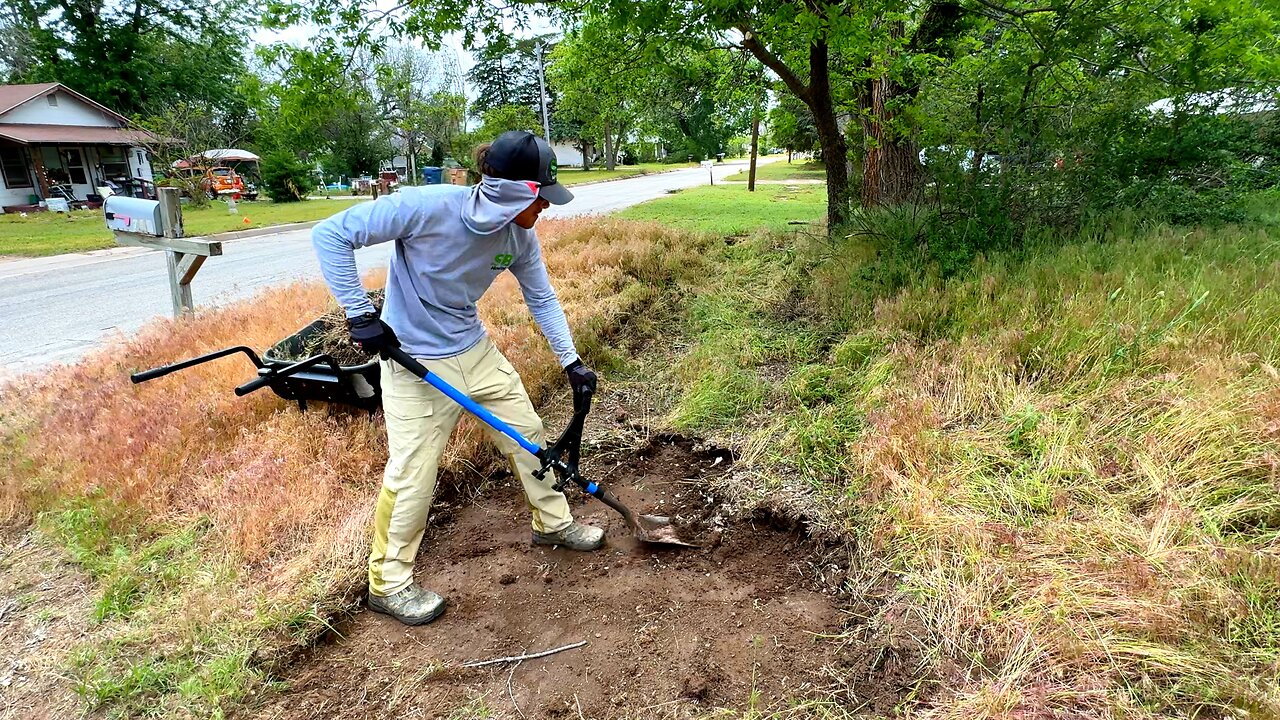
(658, 529)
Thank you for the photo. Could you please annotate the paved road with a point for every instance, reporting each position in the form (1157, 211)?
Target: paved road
(59, 308)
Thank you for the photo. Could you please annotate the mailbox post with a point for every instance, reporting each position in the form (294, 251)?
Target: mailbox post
(157, 224)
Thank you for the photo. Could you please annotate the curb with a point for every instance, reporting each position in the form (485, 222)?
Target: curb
(268, 230)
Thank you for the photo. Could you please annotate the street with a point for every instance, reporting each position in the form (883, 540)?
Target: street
(60, 308)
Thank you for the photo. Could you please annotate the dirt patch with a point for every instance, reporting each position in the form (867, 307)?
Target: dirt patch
(44, 609)
(670, 632)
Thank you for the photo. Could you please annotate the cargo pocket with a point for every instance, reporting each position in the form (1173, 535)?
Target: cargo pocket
(411, 407)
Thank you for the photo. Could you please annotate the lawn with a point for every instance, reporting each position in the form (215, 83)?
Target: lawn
(782, 170)
(578, 176)
(730, 209)
(49, 233)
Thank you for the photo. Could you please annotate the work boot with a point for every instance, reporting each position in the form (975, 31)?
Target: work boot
(574, 537)
(412, 606)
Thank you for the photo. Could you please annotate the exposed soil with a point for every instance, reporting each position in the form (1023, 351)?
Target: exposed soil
(670, 632)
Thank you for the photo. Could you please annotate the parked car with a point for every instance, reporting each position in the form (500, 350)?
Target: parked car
(217, 181)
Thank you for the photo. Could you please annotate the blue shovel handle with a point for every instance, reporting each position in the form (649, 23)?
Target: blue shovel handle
(459, 397)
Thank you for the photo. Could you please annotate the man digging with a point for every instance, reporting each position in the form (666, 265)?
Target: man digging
(451, 242)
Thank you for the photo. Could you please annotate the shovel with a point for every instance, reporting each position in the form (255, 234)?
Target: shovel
(561, 458)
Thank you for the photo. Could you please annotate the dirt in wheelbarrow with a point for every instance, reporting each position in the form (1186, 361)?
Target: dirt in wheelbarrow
(669, 632)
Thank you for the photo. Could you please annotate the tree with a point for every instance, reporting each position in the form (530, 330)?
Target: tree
(417, 93)
(865, 69)
(131, 56)
(285, 178)
(508, 117)
(595, 74)
(696, 97)
(506, 73)
(179, 134)
(791, 126)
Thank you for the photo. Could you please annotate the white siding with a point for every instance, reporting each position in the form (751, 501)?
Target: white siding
(69, 111)
(567, 155)
(15, 197)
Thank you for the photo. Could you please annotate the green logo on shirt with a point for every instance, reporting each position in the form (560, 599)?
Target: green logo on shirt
(502, 261)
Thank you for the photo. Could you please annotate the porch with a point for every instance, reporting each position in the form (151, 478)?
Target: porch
(32, 172)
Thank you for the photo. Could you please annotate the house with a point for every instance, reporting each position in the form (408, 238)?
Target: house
(54, 140)
(567, 154)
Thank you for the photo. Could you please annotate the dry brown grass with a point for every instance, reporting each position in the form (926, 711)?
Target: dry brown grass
(282, 498)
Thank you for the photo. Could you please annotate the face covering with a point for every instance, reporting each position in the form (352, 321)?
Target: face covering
(495, 202)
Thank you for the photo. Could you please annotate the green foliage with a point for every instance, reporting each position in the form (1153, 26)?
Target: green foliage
(286, 178)
(508, 117)
(791, 126)
(131, 58)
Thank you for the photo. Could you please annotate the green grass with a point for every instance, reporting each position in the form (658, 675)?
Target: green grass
(578, 176)
(125, 663)
(48, 233)
(1064, 454)
(731, 210)
(782, 170)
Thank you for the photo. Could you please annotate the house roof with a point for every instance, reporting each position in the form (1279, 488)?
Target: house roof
(11, 96)
(29, 134)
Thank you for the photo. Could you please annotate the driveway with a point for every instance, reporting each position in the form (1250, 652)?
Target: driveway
(59, 308)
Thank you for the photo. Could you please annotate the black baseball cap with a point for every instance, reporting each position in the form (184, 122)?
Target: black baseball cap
(520, 155)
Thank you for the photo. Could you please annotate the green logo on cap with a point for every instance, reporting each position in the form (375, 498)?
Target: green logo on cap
(551, 169)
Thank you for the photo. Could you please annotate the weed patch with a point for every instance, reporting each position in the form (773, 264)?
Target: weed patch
(1063, 456)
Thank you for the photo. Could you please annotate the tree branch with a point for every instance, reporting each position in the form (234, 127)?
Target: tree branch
(1015, 13)
(774, 63)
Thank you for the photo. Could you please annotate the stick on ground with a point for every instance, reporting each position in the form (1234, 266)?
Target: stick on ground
(517, 658)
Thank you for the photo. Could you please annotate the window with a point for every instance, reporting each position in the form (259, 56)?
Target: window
(14, 163)
(53, 99)
(73, 161)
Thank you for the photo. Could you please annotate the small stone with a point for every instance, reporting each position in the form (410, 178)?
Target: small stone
(507, 579)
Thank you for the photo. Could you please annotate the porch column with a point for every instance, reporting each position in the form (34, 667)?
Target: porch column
(37, 163)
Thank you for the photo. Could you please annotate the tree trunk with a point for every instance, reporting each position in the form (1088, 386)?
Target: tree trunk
(755, 147)
(835, 151)
(891, 166)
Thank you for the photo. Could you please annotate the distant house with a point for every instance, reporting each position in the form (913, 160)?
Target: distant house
(52, 139)
(566, 154)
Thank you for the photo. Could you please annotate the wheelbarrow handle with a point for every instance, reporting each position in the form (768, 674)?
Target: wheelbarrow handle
(152, 374)
(435, 381)
(273, 375)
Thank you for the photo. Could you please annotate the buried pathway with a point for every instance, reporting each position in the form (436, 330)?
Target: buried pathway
(670, 633)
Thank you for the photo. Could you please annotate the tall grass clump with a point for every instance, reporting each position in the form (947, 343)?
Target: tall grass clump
(1056, 464)
(222, 533)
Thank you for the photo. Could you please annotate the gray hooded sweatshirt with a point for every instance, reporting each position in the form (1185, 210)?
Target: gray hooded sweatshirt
(451, 242)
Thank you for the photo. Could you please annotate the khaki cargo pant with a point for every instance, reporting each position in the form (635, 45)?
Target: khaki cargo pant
(420, 419)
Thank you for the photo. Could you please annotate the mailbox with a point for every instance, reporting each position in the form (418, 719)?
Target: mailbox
(133, 215)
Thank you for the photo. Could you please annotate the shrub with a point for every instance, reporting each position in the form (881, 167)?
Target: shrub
(286, 178)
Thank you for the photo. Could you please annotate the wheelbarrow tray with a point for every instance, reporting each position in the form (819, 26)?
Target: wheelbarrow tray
(356, 385)
(317, 377)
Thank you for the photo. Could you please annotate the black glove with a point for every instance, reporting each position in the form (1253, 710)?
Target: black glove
(371, 334)
(581, 379)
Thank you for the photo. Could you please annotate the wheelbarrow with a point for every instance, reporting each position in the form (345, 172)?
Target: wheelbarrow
(318, 377)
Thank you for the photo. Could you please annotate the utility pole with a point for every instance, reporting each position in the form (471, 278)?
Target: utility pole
(542, 92)
(755, 143)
